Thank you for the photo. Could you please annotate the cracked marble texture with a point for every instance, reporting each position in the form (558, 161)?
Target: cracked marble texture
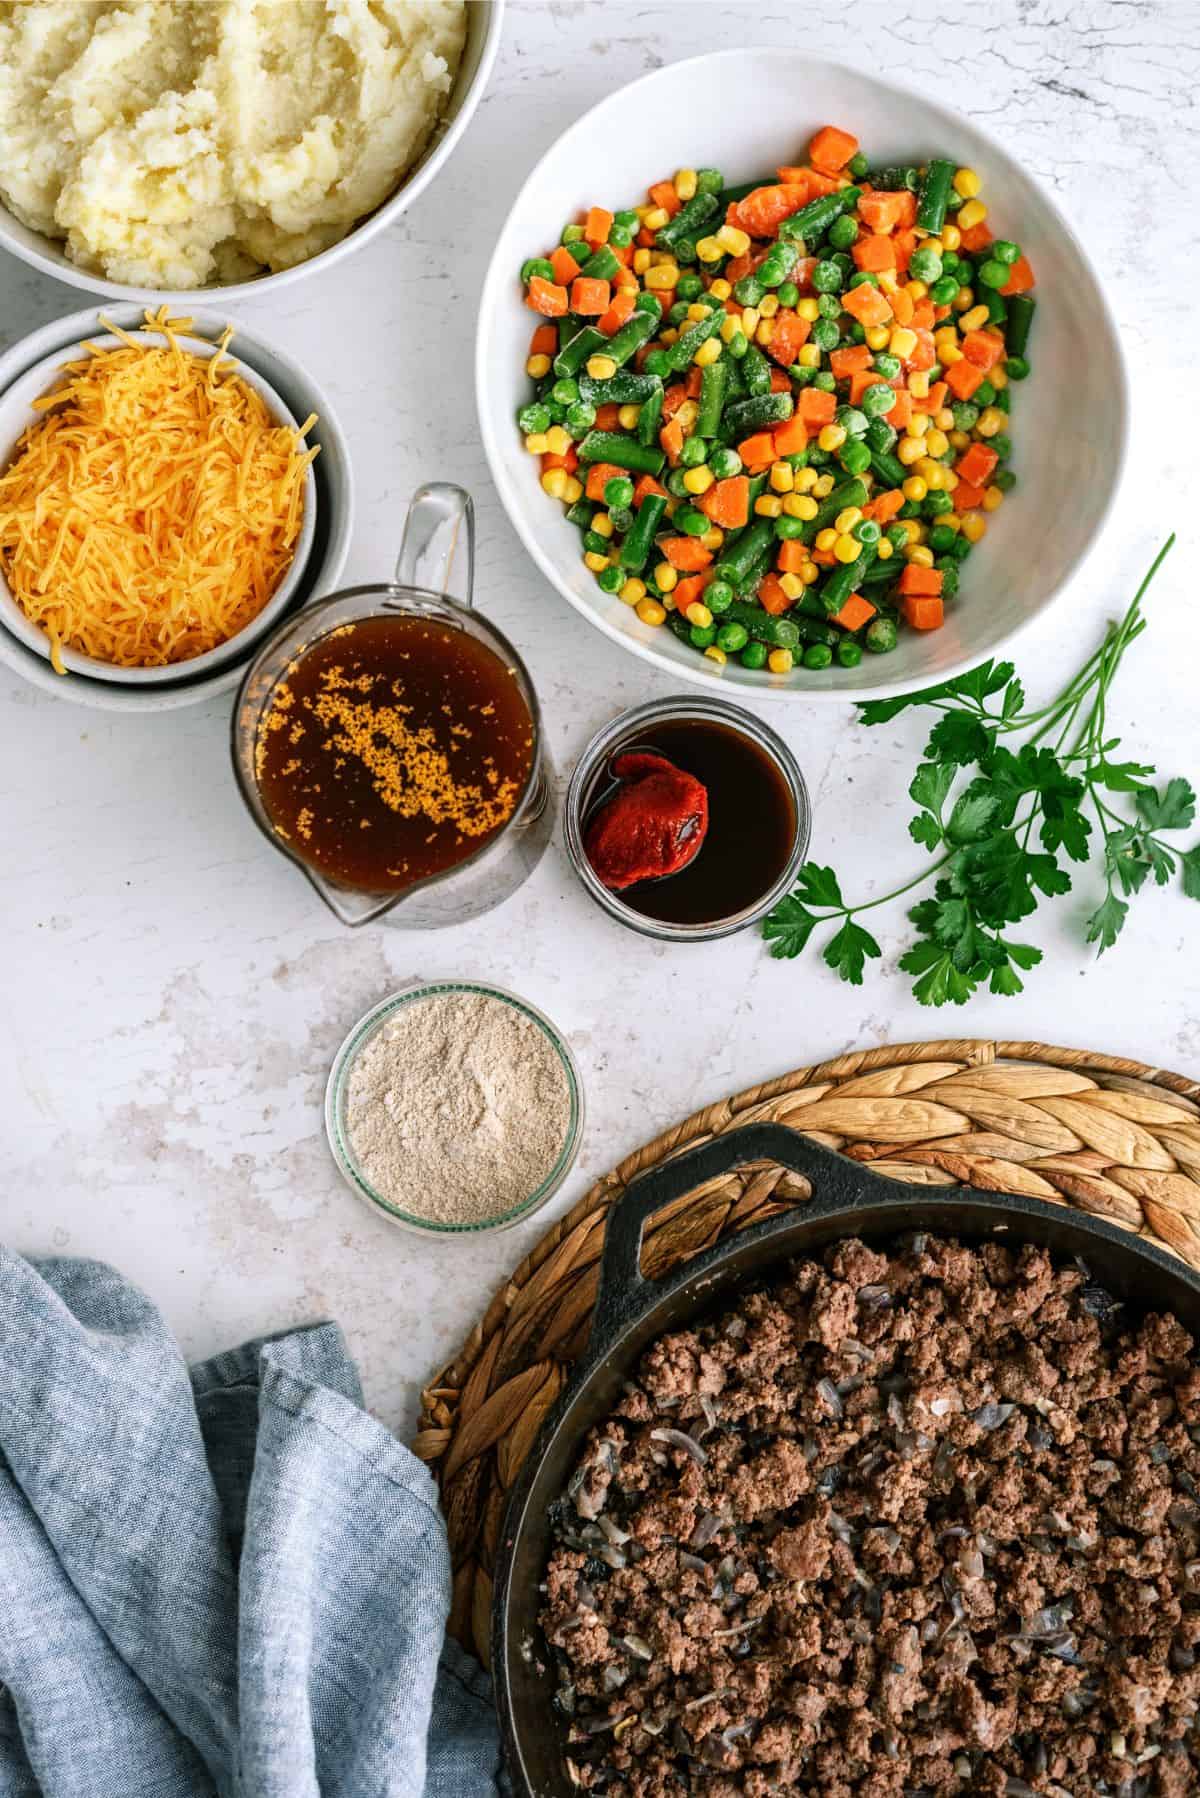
(173, 992)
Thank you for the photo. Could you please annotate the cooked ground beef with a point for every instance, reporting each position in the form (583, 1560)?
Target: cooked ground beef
(924, 1522)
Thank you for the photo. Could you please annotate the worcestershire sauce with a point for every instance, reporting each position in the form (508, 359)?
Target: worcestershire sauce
(392, 749)
(751, 823)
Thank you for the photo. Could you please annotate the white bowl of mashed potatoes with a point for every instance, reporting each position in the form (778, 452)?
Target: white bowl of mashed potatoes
(149, 151)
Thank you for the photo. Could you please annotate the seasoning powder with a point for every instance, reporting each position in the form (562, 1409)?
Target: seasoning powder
(458, 1108)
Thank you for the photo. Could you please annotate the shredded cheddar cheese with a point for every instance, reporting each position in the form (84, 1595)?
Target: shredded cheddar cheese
(152, 511)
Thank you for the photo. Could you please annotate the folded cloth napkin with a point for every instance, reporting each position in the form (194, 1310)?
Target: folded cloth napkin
(231, 1581)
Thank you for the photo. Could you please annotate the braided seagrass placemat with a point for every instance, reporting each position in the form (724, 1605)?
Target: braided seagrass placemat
(1070, 1126)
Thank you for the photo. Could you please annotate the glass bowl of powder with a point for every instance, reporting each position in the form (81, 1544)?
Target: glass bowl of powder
(454, 1107)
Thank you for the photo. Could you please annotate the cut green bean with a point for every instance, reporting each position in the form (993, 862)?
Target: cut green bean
(850, 493)
(712, 398)
(638, 328)
(621, 451)
(650, 416)
(639, 541)
(576, 350)
(756, 371)
(889, 468)
(935, 192)
(844, 579)
(623, 389)
(765, 627)
(1021, 308)
(697, 212)
(758, 535)
(744, 416)
(688, 342)
(601, 265)
(820, 213)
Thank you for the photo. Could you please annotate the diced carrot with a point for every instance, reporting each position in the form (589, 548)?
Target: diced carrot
(780, 381)
(789, 337)
(736, 270)
(962, 378)
(792, 175)
(917, 580)
(923, 611)
(671, 439)
(666, 297)
(597, 475)
(868, 305)
(925, 355)
(624, 255)
(934, 400)
(673, 398)
(855, 612)
(546, 297)
(623, 303)
(771, 596)
(860, 380)
(976, 463)
(905, 241)
(940, 313)
(569, 461)
(564, 265)
(687, 554)
(663, 194)
(597, 225)
(975, 237)
(759, 450)
(763, 211)
(900, 416)
(1020, 277)
(824, 558)
(873, 254)
(880, 211)
(645, 238)
(908, 209)
(815, 406)
(884, 507)
(966, 497)
(791, 436)
(843, 363)
(544, 341)
(792, 556)
(831, 149)
(924, 314)
(727, 502)
(687, 592)
(646, 484)
(693, 381)
(983, 348)
(590, 297)
(802, 273)
(820, 183)
(608, 416)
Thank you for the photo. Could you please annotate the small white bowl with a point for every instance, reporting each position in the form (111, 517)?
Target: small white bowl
(1070, 422)
(17, 412)
(484, 18)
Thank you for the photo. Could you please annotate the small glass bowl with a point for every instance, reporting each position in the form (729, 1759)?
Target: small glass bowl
(338, 1086)
(626, 730)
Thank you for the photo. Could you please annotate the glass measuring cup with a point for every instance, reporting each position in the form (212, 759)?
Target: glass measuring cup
(433, 583)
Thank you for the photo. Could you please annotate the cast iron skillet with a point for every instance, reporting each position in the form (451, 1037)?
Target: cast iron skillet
(631, 1311)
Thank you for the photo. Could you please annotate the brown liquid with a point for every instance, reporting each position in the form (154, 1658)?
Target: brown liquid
(391, 750)
(751, 824)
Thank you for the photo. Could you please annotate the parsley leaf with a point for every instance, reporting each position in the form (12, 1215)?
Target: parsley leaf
(1190, 863)
(1106, 922)
(1173, 807)
(788, 927)
(847, 951)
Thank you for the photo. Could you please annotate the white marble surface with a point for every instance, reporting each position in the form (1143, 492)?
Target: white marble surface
(173, 991)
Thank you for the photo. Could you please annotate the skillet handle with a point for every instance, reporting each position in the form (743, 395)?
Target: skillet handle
(623, 1287)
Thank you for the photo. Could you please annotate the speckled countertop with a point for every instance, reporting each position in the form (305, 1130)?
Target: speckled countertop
(173, 992)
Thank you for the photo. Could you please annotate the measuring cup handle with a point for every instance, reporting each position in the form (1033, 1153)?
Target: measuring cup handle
(438, 548)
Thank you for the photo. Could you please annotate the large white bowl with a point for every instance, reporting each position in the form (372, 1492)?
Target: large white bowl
(484, 18)
(745, 112)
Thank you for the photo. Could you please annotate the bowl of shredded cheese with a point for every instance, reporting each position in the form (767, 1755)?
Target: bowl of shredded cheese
(158, 504)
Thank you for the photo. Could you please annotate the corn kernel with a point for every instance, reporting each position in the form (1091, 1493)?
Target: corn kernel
(936, 442)
(889, 280)
(991, 421)
(558, 441)
(902, 342)
(750, 319)
(806, 480)
(730, 327)
(943, 418)
(685, 184)
(946, 333)
(847, 549)
(913, 530)
(808, 310)
(781, 477)
(537, 366)
(832, 437)
(916, 290)
(643, 210)
(733, 240)
(847, 518)
(633, 591)
(699, 480)
(536, 443)
(966, 184)
(601, 368)
(931, 473)
(602, 524)
(668, 337)
(641, 261)
(999, 377)
(765, 332)
(781, 661)
(801, 506)
(696, 312)
(877, 337)
(713, 537)
(885, 549)
(992, 498)
(915, 489)
(573, 490)
(951, 237)
(698, 614)
(935, 244)
(687, 415)
(650, 612)
(920, 555)
(949, 355)
(665, 577)
(656, 218)
(553, 482)
(716, 654)
(596, 562)
(792, 585)
(919, 425)
(823, 486)
(627, 417)
(662, 276)
(972, 214)
(720, 290)
(964, 299)
(975, 319)
(661, 258)
(918, 384)
(810, 356)
(951, 520)
(768, 306)
(910, 449)
(810, 574)
(974, 527)
(769, 505)
(826, 539)
(708, 352)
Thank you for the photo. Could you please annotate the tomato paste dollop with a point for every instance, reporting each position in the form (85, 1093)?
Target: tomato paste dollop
(653, 825)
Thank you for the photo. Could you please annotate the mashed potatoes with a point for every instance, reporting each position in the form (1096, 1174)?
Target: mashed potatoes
(174, 143)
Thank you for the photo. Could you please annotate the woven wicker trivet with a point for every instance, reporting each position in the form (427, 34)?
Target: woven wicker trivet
(1066, 1125)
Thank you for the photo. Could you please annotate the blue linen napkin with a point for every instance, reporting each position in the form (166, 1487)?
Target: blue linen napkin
(230, 1581)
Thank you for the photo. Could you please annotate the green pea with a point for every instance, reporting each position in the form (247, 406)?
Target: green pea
(852, 420)
(910, 509)
(857, 333)
(1003, 250)
(748, 291)
(857, 166)
(628, 220)
(829, 305)
(565, 391)
(887, 365)
(622, 519)
(881, 435)
(737, 346)
(657, 363)
(537, 265)
(1016, 368)
(962, 547)
(702, 635)
(1002, 444)
(801, 375)
(618, 492)
(864, 278)
(826, 278)
(580, 418)
(944, 290)
(925, 265)
(787, 527)
(823, 379)
(991, 273)
(691, 521)
(954, 200)
(843, 232)
(937, 502)
(818, 655)
(845, 263)
(797, 459)
(966, 416)
(533, 419)
(789, 293)
(610, 579)
(817, 457)
(985, 394)
(675, 484)
(878, 399)
(772, 271)
(689, 287)
(718, 596)
(678, 312)
(595, 544)
(941, 539)
(709, 181)
(867, 531)
(881, 636)
(854, 456)
(732, 636)
(897, 536)
(724, 462)
(948, 569)
(1005, 479)
(1003, 399)
(825, 334)
(754, 655)
(693, 452)
(621, 236)
(849, 653)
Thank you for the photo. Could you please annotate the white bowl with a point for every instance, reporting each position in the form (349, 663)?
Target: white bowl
(333, 513)
(1070, 421)
(484, 18)
(17, 412)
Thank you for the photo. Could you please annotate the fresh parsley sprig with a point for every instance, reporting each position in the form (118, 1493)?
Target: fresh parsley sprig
(998, 817)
